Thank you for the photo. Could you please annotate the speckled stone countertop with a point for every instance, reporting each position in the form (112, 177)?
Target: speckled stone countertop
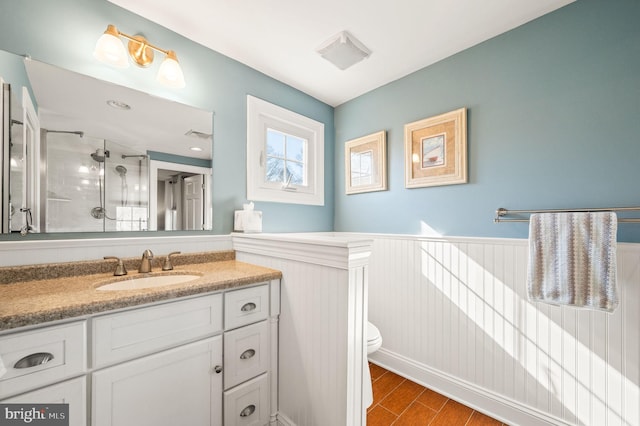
(31, 295)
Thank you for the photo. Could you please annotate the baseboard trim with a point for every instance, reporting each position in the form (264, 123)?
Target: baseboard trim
(479, 399)
(284, 420)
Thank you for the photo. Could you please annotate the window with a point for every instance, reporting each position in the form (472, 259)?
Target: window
(285, 155)
(286, 158)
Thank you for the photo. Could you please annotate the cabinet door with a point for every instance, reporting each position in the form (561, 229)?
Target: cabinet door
(180, 386)
(72, 392)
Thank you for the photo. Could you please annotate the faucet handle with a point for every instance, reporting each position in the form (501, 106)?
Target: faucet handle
(168, 266)
(120, 269)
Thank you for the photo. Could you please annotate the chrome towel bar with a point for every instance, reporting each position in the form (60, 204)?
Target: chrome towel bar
(502, 212)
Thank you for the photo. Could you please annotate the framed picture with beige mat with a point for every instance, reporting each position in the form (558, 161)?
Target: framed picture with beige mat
(365, 162)
(436, 150)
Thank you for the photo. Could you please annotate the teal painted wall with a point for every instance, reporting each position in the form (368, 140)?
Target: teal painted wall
(552, 116)
(178, 159)
(553, 122)
(13, 71)
(64, 33)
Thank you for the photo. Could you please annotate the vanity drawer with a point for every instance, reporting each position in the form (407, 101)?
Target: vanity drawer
(72, 392)
(248, 404)
(126, 335)
(246, 353)
(246, 306)
(40, 357)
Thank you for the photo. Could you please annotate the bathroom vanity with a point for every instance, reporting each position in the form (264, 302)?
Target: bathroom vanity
(317, 314)
(175, 354)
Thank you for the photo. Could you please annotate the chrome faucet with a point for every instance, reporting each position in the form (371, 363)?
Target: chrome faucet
(145, 265)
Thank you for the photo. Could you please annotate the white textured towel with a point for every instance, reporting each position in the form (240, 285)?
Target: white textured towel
(572, 259)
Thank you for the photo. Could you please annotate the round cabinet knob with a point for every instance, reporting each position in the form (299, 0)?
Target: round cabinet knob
(217, 369)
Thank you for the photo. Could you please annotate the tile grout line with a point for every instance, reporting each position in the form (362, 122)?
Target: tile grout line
(388, 393)
(409, 405)
(414, 401)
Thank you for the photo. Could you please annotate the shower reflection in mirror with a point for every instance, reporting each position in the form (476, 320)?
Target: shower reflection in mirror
(79, 165)
(93, 184)
(20, 156)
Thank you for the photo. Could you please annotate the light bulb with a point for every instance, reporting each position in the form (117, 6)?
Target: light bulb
(110, 50)
(170, 73)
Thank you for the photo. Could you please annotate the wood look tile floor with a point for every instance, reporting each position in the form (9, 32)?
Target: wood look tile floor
(401, 402)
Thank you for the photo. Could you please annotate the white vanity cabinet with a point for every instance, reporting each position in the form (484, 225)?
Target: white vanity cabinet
(163, 380)
(180, 386)
(181, 362)
(205, 360)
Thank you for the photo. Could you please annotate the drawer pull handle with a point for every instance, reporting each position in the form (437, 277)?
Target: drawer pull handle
(249, 409)
(34, 360)
(247, 307)
(247, 354)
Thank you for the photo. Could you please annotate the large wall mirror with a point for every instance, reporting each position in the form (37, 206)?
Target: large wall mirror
(92, 156)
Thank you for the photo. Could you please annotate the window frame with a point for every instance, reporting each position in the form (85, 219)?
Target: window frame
(261, 116)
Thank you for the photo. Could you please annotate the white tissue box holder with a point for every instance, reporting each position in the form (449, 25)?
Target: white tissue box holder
(247, 221)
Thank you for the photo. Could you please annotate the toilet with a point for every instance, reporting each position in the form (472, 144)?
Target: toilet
(374, 341)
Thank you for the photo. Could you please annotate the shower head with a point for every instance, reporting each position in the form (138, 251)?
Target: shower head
(122, 170)
(100, 155)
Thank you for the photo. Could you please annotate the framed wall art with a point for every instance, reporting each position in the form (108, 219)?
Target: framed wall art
(365, 161)
(436, 150)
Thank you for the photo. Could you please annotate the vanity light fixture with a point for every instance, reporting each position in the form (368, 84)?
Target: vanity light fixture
(110, 50)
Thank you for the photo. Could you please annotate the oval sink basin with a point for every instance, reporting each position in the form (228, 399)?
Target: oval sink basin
(148, 282)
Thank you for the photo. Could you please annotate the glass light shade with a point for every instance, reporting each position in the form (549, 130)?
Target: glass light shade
(110, 50)
(170, 73)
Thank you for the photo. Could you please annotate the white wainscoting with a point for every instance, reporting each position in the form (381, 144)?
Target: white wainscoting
(454, 316)
(322, 347)
(30, 252)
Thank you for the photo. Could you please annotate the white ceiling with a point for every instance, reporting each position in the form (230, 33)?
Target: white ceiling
(74, 102)
(280, 37)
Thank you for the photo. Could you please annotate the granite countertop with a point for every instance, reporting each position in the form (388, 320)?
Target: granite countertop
(31, 295)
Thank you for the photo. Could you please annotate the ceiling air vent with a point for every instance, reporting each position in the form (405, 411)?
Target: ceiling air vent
(343, 50)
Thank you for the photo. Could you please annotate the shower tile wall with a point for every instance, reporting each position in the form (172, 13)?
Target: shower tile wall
(75, 180)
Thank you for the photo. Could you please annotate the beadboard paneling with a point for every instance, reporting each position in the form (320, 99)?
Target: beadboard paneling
(322, 324)
(29, 252)
(457, 310)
